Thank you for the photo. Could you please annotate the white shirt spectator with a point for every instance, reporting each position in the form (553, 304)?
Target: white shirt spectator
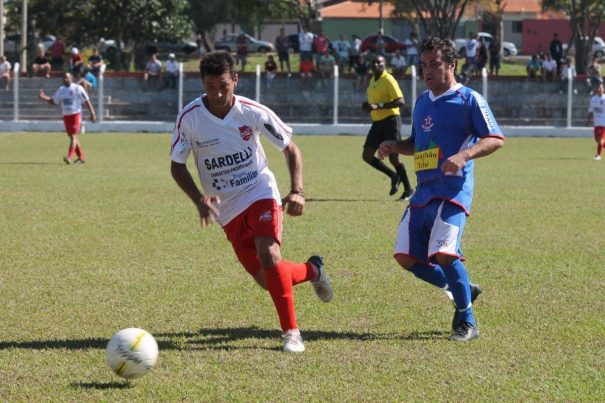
(305, 40)
(342, 48)
(549, 66)
(398, 62)
(411, 47)
(172, 67)
(565, 71)
(5, 68)
(356, 47)
(471, 47)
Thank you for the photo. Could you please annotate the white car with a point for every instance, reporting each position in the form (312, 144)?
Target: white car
(508, 48)
(598, 47)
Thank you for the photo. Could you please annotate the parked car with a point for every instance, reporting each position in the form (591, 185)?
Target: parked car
(598, 47)
(13, 42)
(508, 48)
(180, 49)
(229, 43)
(392, 44)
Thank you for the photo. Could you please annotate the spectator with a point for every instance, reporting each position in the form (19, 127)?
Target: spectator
(88, 81)
(494, 57)
(241, 55)
(481, 56)
(321, 45)
(361, 73)
(556, 51)
(567, 69)
(95, 61)
(549, 69)
(466, 70)
(411, 51)
(381, 44)
(41, 65)
(399, 65)
(75, 63)
(5, 72)
(342, 48)
(282, 45)
(171, 73)
(471, 48)
(270, 70)
(326, 65)
(57, 54)
(153, 72)
(533, 67)
(596, 116)
(354, 52)
(306, 70)
(594, 78)
(305, 44)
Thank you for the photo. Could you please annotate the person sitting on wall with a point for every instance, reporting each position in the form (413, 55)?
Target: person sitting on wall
(533, 67)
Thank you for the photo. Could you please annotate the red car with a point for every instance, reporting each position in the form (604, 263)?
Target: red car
(392, 44)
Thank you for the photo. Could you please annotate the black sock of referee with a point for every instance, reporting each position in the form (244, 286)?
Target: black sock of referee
(379, 165)
(403, 176)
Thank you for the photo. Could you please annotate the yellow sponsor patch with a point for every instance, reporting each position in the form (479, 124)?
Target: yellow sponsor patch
(425, 160)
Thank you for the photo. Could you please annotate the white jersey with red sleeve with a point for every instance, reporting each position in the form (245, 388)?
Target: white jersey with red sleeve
(230, 159)
(70, 98)
(597, 107)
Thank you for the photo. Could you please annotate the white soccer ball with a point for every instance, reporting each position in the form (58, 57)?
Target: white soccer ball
(131, 353)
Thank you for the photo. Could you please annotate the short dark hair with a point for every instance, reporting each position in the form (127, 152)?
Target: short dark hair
(448, 52)
(217, 63)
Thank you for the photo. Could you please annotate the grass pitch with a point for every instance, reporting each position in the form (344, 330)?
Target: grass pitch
(89, 249)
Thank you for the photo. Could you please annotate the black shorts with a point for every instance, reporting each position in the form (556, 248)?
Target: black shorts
(383, 130)
(283, 56)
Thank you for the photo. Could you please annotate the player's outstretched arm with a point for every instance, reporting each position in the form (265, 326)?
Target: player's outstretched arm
(206, 205)
(45, 97)
(294, 202)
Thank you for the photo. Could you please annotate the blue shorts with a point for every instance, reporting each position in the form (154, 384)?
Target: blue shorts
(433, 229)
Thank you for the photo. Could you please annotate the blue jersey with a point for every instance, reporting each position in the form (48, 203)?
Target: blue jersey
(443, 126)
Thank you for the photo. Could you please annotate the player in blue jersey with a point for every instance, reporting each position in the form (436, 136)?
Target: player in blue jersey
(452, 125)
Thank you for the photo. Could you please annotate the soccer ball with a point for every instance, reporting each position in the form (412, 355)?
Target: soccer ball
(131, 353)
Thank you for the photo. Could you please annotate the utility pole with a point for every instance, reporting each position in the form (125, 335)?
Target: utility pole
(1, 27)
(23, 36)
(381, 22)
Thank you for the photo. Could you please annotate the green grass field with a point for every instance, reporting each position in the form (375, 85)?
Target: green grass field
(86, 250)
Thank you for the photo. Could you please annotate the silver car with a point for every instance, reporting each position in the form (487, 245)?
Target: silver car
(229, 43)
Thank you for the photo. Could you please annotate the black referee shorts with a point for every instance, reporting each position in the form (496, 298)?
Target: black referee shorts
(382, 130)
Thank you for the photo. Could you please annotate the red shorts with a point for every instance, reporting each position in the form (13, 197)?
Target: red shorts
(262, 219)
(72, 123)
(599, 134)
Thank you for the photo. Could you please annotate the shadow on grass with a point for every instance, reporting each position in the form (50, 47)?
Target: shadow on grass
(101, 385)
(220, 339)
(32, 163)
(344, 200)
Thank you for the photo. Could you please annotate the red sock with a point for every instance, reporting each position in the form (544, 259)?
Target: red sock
(301, 272)
(70, 153)
(279, 283)
(80, 152)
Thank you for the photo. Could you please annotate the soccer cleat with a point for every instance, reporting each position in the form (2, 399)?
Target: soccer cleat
(66, 160)
(293, 343)
(464, 332)
(395, 181)
(597, 157)
(79, 161)
(475, 291)
(323, 285)
(407, 195)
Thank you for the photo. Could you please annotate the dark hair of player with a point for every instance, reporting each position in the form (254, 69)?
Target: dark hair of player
(448, 52)
(217, 63)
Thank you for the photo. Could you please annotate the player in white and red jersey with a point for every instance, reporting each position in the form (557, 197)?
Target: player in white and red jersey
(596, 114)
(223, 130)
(71, 96)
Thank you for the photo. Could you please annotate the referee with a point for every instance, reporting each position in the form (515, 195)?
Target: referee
(384, 100)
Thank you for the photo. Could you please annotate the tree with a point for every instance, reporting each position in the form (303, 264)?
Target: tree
(437, 17)
(585, 16)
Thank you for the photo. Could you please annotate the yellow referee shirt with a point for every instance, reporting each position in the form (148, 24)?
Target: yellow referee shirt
(383, 90)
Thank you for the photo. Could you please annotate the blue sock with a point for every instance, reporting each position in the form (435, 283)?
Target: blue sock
(458, 284)
(432, 275)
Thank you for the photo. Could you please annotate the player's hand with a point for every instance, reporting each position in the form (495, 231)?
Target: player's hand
(93, 117)
(41, 94)
(293, 204)
(366, 107)
(453, 164)
(207, 209)
(386, 148)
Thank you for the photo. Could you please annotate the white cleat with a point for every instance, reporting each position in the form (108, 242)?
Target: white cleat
(597, 158)
(293, 342)
(323, 285)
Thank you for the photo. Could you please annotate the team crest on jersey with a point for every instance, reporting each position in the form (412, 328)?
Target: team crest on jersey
(246, 132)
(428, 124)
(273, 132)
